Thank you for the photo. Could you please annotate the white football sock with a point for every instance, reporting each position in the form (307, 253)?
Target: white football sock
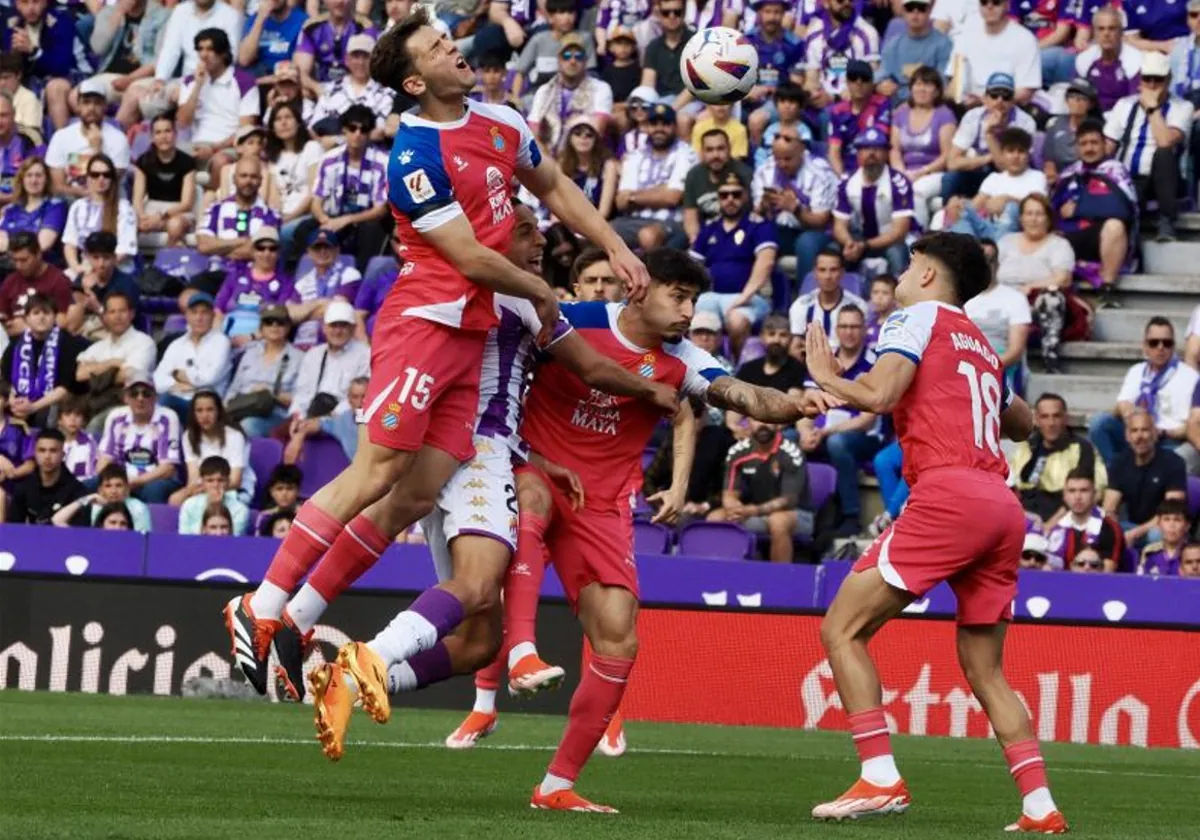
(881, 771)
(553, 784)
(519, 651)
(485, 701)
(268, 600)
(1038, 804)
(401, 677)
(306, 608)
(407, 634)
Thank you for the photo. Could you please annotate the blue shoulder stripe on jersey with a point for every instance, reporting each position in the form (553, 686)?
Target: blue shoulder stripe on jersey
(584, 315)
(417, 148)
(713, 374)
(912, 357)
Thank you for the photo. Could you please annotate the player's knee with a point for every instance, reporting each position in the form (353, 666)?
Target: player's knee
(621, 646)
(834, 633)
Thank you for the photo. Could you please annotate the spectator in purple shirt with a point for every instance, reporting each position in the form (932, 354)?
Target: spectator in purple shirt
(227, 233)
(16, 456)
(374, 290)
(859, 108)
(248, 287)
(875, 207)
(321, 51)
(15, 147)
(1162, 556)
(1110, 64)
(33, 209)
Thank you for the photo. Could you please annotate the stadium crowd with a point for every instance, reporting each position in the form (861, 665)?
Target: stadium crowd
(195, 237)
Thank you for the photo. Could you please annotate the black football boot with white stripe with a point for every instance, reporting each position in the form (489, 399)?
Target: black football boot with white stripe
(250, 638)
(291, 649)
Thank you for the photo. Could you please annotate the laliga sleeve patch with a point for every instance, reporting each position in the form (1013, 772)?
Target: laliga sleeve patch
(419, 186)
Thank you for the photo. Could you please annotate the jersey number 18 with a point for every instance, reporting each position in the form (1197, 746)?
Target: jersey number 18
(985, 405)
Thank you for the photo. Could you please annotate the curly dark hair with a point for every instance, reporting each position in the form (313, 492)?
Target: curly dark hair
(963, 258)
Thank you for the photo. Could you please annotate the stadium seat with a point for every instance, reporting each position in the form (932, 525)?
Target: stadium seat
(305, 265)
(183, 263)
(1193, 488)
(265, 455)
(852, 283)
(720, 540)
(651, 538)
(176, 324)
(164, 519)
(321, 462)
(822, 483)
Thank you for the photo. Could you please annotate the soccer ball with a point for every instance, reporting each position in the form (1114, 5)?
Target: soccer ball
(719, 65)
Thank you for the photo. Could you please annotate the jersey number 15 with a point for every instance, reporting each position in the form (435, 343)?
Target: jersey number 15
(985, 405)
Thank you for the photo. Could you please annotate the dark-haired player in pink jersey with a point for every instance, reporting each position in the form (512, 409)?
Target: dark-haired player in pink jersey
(944, 386)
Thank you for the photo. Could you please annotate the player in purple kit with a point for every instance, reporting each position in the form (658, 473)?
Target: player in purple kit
(875, 207)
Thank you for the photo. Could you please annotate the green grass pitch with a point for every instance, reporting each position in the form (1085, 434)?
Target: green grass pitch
(85, 766)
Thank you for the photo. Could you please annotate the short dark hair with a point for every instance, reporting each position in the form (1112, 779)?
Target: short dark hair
(962, 256)
(268, 523)
(214, 465)
(100, 242)
(288, 474)
(791, 93)
(1091, 125)
(715, 132)
(109, 509)
(73, 405)
(776, 321)
(219, 40)
(5, 388)
(886, 279)
(167, 116)
(24, 241)
(1080, 474)
(1015, 138)
(672, 267)
(586, 259)
(853, 309)
(1173, 507)
(117, 293)
(492, 61)
(111, 472)
(12, 62)
(1050, 396)
(358, 114)
(832, 250)
(40, 301)
(391, 62)
(553, 6)
(51, 434)
(1156, 321)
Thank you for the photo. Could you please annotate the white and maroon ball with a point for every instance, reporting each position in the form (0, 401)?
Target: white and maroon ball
(719, 65)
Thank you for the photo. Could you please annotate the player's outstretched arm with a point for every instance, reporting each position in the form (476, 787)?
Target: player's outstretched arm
(877, 391)
(572, 207)
(1016, 421)
(603, 374)
(455, 240)
(683, 454)
(769, 405)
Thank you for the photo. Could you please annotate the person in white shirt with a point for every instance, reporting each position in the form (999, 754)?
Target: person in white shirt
(993, 44)
(72, 146)
(975, 149)
(824, 302)
(650, 193)
(994, 212)
(124, 352)
(196, 361)
(1003, 316)
(215, 101)
(144, 438)
(1162, 386)
(953, 16)
(572, 92)
(327, 370)
(1148, 133)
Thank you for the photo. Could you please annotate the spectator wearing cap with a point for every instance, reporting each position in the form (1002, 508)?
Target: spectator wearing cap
(327, 369)
(650, 194)
(329, 279)
(621, 69)
(633, 121)
(1097, 205)
(975, 150)
(1155, 26)
(633, 15)
(859, 108)
(15, 147)
(31, 275)
(33, 209)
(196, 361)
(1035, 553)
(143, 437)
(492, 69)
(874, 207)
(164, 186)
(1111, 64)
(701, 204)
(569, 93)
(922, 133)
(268, 364)
(587, 161)
(250, 286)
(1058, 150)
(739, 250)
(286, 88)
(98, 279)
(661, 65)
(994, 44)
(72, 146)
(321, 52)
(26, 104)
(797, 191)
(350, 191)
(103, 208)
(995, 210)
(780, 62)
(825, 302)
(542, 56)
(55, 56)
(229, 225)
(124, 41)
(270, 36)
(834, 39)
(40, 363)
(120, 353)
(355, 88)
(1148, 133)
(919, 44)
(215, 100)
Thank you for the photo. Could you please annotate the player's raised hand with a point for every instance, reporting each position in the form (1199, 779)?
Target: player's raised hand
(631, 270)
(814, 402)
(818, 357)
(670, 505)
(546, 307)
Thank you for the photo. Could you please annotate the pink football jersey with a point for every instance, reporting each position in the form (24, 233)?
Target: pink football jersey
(599, 436)
(950, 414)
(436, 173)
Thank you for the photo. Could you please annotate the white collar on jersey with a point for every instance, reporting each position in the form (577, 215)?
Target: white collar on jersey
(410, 117)
(614, 313)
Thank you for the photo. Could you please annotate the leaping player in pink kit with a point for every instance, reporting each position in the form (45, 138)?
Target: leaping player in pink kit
(944, 386)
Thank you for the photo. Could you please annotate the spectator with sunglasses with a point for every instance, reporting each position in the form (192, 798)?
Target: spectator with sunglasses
(227, 233)
(102, 209)
(250, 286)
(143, 437)
(269, 364)
(355, 88)
(661, 65)
(975, 151)
(568, 94)
(587, 161)
(1161, 385)
(321, 51)
(1147, 133)
(920, 44)
(633, 120)
(995, 44)
(859, 108)
(541, 56)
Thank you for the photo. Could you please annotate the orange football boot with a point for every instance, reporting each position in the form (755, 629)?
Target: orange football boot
(1052, 823)
(531, 675)
(566, 800)
(865, 800)
(476, 727)
(333, 701)
(370, 674)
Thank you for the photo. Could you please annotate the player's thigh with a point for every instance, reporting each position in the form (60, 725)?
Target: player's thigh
(864, 603)
(609, 618)
(413, 481)
(985, 590)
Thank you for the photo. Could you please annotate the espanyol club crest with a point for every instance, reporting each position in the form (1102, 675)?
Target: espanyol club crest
(497, 140)
(647, 368)
(391, 419)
